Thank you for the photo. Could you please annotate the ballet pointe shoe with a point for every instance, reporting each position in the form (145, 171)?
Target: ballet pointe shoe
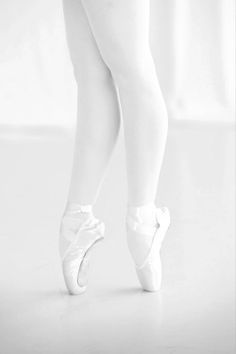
(149, 270)
(78, 236)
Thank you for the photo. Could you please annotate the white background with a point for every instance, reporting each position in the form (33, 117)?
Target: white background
(193, 46)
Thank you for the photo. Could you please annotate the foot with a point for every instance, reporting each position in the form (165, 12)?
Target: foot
(144, 238)
(79, 232)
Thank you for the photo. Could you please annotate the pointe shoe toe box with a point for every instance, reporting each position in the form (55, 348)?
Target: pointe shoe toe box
(150, 271)
(75, 261)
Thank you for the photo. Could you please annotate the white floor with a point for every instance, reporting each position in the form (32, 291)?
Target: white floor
(194, 313)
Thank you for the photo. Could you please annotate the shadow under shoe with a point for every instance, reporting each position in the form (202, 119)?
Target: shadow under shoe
(149, 271)
(77, 239)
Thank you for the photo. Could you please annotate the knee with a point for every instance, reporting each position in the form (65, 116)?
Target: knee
(132, 69)
(87, 74)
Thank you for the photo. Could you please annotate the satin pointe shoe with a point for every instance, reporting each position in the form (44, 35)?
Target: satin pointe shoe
(149, 270)
(78, 236)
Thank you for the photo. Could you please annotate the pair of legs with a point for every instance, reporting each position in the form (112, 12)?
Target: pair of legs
(108, 41)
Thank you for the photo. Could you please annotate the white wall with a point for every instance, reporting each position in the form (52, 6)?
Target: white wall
(192, 42)
(36, 82)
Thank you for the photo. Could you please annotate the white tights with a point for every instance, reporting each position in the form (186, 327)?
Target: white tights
(108, 43)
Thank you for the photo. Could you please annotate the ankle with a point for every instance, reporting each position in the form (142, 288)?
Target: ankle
(77, 209)
(75, 215)
(72, 207)
(144, 213)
